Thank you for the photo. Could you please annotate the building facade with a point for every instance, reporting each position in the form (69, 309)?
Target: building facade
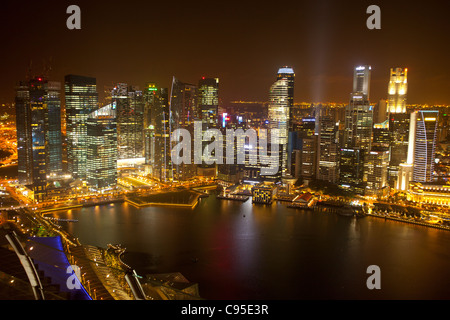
(81, 100)
(102, 152)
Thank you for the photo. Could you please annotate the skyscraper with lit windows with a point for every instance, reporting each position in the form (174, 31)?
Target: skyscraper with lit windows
(208, 106)
(278, 114)
(425, 145)
(359, 113)
(287, 73)
(328, 153)
(81, 100)
(358, 133)
(101, 144)
(183, 113)
(39, 146)
(361, 80)
(130, 121)
(399, 121)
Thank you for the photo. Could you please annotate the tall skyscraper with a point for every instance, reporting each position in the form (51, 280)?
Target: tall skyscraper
(54, 136)
(24, 137)
(425, 145)
(328, 153)
(183, 113)
(162, 163)
(38, 124)
(81, 100)
(361, 81)
(405, 173)
(101, 143)
(399, 121)
(358, 133)
(287, 73)
(130, 121)
(208, 106)
(278, 114)
(376, 170)
(380, 112)
(399, 126)
(398, 87)
(151, 98)
(359, 113)
(351, 170)
(208, 102)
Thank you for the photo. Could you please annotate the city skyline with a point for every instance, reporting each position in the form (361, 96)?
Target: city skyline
(242, 46)
(238, 150)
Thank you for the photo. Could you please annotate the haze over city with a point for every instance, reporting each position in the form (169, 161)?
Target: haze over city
(242, 43)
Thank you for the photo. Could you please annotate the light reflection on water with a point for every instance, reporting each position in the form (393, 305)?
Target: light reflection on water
(247, 251)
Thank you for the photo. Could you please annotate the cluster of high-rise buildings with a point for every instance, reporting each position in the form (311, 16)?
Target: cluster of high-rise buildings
(132, 130)
(367, 148)
(363, 147)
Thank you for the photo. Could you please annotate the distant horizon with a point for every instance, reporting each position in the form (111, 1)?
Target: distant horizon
(101, 92)
(243, 43)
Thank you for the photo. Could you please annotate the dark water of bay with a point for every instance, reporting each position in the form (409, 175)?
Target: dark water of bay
(247, 251)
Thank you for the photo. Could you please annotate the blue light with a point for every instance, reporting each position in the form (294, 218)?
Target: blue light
(285, 70)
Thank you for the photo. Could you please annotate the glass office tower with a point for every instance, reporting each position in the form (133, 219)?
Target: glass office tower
(101, 143)
(130, 120)
(81, 100)
(425, 145)
(39, 146)
(183, 113)
(278, 114)
(208, 106)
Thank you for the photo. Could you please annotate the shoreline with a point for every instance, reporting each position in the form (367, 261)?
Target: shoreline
(425, 224)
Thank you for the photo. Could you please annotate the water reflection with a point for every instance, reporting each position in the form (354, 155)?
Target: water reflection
(237, 250)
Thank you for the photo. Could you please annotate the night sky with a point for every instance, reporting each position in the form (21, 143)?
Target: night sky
(241, 42)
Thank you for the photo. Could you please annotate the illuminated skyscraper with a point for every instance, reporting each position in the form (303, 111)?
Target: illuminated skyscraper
(183, 113)
(39, 146)
(162, 164)
(151, 98)
(351, 169)
(101, 162)
(81, 100)
(278, 114)
(54, 136)
(359, 113)
(24, 137)
(376, 170)
(328, 153)
(130, 121)
(398, 87)
(358, 133)
(425, 145)
(208, 102)
(287, 73)
(399, 121)
(405, 173)
(361, 81)
(208, 106)
(399, 126)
